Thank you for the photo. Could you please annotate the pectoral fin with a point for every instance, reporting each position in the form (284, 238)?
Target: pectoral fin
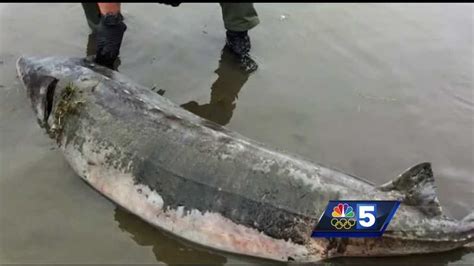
(418, 186)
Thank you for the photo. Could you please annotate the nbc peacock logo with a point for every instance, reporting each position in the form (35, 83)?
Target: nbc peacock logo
(343, 216)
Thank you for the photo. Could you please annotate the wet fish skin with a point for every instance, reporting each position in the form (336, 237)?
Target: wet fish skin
(207, 184)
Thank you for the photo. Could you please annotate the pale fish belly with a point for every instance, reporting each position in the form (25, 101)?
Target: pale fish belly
(209, 229)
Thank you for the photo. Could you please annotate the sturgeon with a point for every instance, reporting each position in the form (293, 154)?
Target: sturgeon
(209, 185)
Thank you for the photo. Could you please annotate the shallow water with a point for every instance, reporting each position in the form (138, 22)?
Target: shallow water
(371, 89)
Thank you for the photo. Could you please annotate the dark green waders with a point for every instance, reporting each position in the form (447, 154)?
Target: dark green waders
(236, 16)
(92, 13)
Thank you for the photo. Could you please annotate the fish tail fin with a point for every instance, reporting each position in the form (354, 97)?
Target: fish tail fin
(418, 187)
(469, 218)
(468, 227)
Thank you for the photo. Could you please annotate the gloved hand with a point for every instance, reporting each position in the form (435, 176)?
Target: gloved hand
(109, 39)
(174, 4)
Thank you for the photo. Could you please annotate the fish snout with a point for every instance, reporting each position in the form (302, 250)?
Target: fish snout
(21, 68)
(39, 86)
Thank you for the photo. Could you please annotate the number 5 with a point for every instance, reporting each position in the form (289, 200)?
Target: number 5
(366, 212)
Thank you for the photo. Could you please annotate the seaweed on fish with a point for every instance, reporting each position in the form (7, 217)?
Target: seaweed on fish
(68, 105)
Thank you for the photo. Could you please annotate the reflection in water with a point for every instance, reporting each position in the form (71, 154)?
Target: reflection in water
(224, 91)
(166, 249)
(443, 258)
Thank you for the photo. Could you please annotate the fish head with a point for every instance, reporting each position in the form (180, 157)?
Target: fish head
(43, 78)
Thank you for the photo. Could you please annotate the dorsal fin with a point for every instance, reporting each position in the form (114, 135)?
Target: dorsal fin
(418, 186)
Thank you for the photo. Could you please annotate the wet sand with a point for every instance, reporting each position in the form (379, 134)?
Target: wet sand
(371, 89)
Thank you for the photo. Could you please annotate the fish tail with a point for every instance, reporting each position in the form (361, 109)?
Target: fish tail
(468, 224)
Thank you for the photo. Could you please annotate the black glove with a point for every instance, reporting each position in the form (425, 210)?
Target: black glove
(109, 39)
(174, 4)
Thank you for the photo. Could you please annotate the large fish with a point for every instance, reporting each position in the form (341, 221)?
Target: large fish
(202, 182)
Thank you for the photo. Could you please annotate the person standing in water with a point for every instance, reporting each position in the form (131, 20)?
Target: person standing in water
(106, 20)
